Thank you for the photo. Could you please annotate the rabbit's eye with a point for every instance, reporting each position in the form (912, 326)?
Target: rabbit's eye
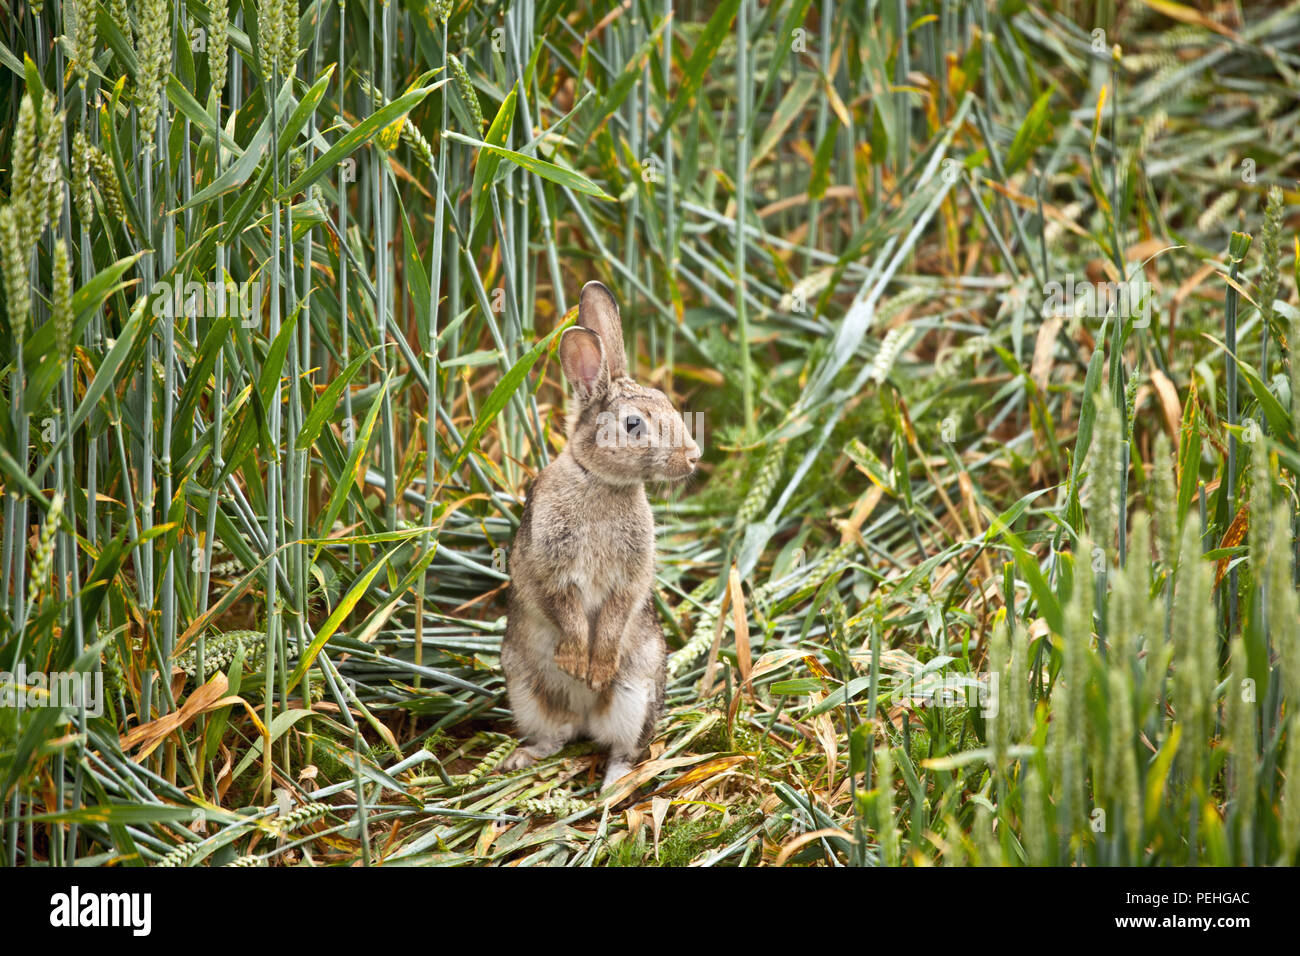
(634, 426)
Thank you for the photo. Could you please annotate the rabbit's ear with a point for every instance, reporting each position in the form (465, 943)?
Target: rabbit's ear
(582, 356)
(598, 311)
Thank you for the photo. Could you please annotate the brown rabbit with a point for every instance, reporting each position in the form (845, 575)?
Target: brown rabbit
(584, 651)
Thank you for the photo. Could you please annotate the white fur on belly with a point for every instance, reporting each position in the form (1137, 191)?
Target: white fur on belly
(538, 724)
(620, 724)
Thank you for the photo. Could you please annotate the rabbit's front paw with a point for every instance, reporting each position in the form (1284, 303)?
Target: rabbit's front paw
(602, 671)
(571, 657)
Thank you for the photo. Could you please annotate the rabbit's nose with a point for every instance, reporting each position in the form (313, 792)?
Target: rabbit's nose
(692, 454)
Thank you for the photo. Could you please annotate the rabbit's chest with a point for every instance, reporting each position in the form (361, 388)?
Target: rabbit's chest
(599, 549)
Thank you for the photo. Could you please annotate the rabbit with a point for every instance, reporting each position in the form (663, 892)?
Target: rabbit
(584, 652)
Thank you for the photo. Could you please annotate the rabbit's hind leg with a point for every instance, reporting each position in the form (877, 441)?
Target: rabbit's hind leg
(623, 721)
(535, 751)
(618, 767)
(544, 737)
(542, 720)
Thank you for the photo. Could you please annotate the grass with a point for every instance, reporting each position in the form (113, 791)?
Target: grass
(971, 576)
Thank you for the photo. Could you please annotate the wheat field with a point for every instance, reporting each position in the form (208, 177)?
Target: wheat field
(984, 310)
